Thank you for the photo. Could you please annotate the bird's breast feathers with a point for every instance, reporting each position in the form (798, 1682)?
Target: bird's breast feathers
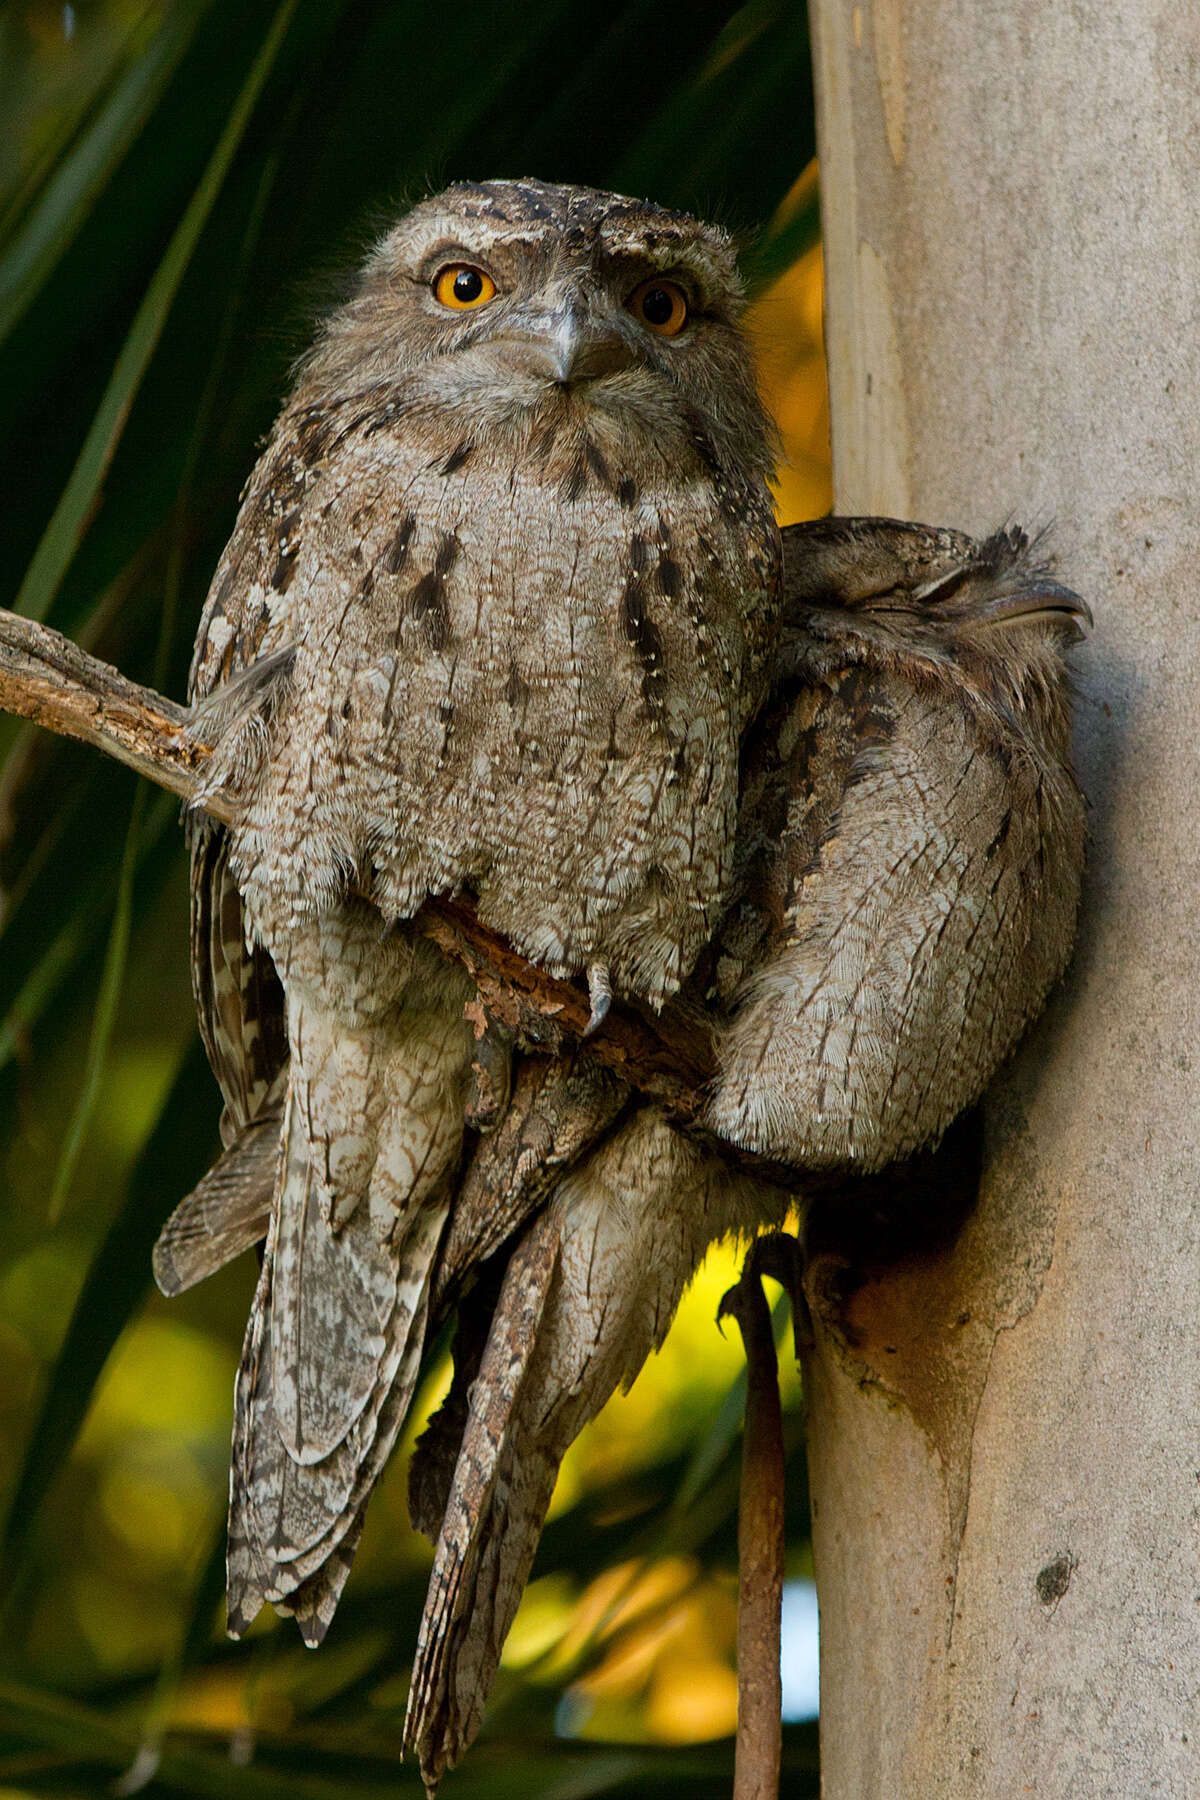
(530, 681)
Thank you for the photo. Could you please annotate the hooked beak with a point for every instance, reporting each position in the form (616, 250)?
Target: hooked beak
(566, 347)
(977, 594)
(1043, 598)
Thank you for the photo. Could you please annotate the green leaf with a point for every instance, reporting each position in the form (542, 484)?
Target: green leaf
(116, 1283)
(44, 979)
(53, 220)
(81, 914)
(496, 1771)
(88, 1736)
(71, 515)
(104, 1017)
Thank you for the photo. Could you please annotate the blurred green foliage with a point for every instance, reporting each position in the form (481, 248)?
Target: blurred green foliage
(182, 184)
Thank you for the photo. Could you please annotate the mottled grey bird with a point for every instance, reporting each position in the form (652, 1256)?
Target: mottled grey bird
(496, 611)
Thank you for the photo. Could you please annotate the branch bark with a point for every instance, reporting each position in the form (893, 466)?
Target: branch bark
(47, 679)
(1003, 1425)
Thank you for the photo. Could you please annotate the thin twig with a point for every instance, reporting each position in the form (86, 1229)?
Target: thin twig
(761, 1541)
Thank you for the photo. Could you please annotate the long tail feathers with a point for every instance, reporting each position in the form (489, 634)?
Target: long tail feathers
(488, 1538)
(557, 1112)
(372, 1134)
(328, 1371)
(588, 1293)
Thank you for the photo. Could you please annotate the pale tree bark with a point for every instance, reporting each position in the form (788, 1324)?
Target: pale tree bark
(1005, 1430)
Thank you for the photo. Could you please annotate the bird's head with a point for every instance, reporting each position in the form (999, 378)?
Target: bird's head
(511, 307)
(986, 620)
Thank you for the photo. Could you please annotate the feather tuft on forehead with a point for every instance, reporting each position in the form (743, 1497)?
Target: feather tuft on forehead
(584, 220)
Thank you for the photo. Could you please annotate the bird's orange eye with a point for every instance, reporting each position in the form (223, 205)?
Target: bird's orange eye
(461, 287)
(662, 305)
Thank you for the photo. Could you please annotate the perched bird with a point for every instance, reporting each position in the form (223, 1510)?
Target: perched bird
(907, 875)
(496, 611)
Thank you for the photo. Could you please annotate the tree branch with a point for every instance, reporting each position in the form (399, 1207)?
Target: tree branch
(51, 681)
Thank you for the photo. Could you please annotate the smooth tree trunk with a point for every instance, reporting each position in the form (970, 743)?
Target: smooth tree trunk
(1005, 1425)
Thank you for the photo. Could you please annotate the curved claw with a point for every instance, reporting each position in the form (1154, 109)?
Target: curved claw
(600, 995)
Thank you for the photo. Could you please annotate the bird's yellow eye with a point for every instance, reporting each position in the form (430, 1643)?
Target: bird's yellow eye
(662, 305)
(461, 287)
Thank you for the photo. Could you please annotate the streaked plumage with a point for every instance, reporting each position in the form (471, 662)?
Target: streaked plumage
(495, 613)
(924, 839)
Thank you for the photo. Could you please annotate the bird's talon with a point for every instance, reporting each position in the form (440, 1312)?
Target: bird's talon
(600, 995)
